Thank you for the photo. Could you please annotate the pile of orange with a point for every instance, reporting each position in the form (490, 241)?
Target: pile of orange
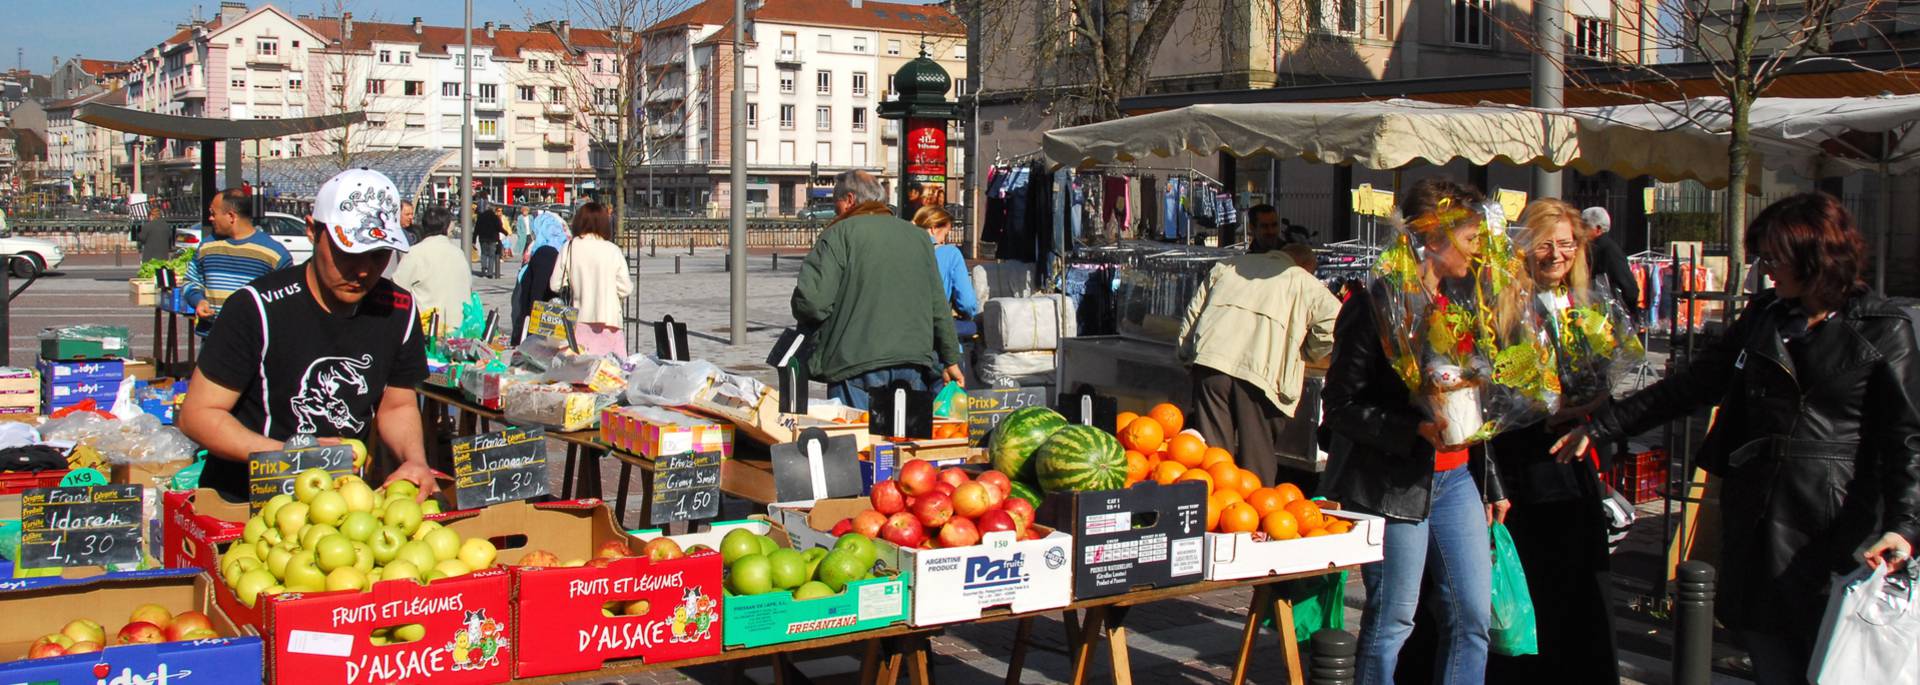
(1153, 439)
(1237, 502)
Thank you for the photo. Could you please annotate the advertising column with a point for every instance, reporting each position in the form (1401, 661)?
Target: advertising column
(926, 172)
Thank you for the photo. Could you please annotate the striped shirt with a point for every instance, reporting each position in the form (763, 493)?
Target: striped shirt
(223, 266)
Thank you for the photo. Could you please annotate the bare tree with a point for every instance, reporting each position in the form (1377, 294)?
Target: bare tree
(1746, 47)
(355, 80)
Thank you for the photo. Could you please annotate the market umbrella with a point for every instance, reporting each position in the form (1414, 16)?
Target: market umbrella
(1392, 134)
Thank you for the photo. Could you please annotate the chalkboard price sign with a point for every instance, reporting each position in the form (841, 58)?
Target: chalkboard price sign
(499, 467)
(272, 473)
(96, 525)
(987, 408)
(552, 321)
(686, 487)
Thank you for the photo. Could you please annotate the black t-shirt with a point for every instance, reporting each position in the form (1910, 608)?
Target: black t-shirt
(487, 227)
(300, 369)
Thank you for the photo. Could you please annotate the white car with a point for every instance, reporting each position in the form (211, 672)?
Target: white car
(32, 256)
(288, 230)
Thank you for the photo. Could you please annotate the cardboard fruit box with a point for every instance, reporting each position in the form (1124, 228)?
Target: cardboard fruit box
(235, 658)
(194, 525)
(1146, 536)
(775, 617)
(558, 621)
(1232, 556)
(1001, 571)
(630, 429)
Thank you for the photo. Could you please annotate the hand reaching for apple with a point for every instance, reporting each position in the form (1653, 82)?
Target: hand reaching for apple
(418, 473)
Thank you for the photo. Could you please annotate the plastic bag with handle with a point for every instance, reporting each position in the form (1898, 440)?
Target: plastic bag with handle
(1870, 631)
(1512, 631)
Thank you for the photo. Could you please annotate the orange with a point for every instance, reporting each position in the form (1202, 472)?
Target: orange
(1266, 501)
(1239, 517)
(1213, 515)
(1307, 513)
(1317, 532)
(1143, 435)
(1199, 475)
(1187, 449)
(1225, 476)
(1137, 468)
(1289, 493)
(1169, 417)
(1226, 497)
(1249, 481)
(1338, 526)
(1168, 472)
(1215, 455)
(1280, 525)
(1121, 420)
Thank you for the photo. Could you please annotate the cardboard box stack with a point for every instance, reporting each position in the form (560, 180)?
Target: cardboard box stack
(19, 394)
(67, 383)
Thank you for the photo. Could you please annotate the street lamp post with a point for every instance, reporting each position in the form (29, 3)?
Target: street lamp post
(466, 137)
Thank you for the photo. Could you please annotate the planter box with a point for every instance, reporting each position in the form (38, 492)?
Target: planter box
(143, 292)
(1232, 556)
(236, 658)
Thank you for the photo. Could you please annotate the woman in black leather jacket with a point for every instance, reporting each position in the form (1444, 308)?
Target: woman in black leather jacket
(1386, 460)
(1817, 443)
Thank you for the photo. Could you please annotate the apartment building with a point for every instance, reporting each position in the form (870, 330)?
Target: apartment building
(81, 156)
(814, 70)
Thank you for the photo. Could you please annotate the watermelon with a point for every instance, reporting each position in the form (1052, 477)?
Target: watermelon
(1081, 458)
(1020, 435)
(1028, 493)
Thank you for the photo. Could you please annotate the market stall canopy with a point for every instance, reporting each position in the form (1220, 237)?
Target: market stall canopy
(1392, 134)
(301, 177)
(177, 127)
(1812, 137)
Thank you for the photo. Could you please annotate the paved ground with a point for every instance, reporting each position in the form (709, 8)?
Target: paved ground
(1189, 640)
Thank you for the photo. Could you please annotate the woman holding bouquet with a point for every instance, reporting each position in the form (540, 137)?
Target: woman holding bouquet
(1817, 442)
(1557, 525)
(1393, 458)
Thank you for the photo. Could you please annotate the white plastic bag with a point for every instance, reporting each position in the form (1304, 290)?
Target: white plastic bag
(1870, 631)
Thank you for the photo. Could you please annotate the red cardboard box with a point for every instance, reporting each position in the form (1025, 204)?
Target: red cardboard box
(557, 610)
(195, 524)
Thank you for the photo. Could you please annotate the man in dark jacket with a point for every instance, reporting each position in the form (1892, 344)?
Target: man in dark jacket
(1605, 258)
(156, 235)
(487, 229)
(871, 295)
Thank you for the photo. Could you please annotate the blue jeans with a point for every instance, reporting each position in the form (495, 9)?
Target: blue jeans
(853, 391)
(1453, 545)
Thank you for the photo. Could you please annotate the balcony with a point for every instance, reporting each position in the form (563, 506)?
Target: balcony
(556, 110)
(190, 91)
(272, 61)
(489, 105)
(673, 94)
(890, 129)
(487, 138)
(557, 139)
(787, 58)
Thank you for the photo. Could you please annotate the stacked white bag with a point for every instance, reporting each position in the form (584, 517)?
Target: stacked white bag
(1020, 335)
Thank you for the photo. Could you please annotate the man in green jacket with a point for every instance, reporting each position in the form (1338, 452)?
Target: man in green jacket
(870, 293)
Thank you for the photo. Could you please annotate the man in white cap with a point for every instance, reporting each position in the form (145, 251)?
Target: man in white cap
(318, 350)
(1605, 258)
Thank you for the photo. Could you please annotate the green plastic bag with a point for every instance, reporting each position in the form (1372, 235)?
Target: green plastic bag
(1318, 604)
(1512, 631)
(951, 402)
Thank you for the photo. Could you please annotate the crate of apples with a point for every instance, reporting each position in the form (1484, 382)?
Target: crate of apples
(926, 507)
(148, 624)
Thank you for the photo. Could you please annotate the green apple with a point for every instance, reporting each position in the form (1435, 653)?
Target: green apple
(291, 519)
(359, 452)
(270, 591)
(251, 583)
(385, 543)
(346, 578)
(812, 589)
(425, 527)
(445, 543)
(362, 557)
(789, 569)
(333, 552)
(412, 632)
(401, 488)
(431, 506)
(261, 548)
(417, 553)
(359, 497)
(272, 507)
(310, 536)
(310, 483)
(242, 550)
(739, 542)
(239, 567)
(403, 514)
(359, 526)
(303, 576)
(476, 553)
(256, 527)
(84, 630)
(434, 575)
(327, 508)
(452, 568)
(750, 575)
(277, 561)
(273, 533)
(400, 570)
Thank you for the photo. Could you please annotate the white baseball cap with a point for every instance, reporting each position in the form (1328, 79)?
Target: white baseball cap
(360, 210)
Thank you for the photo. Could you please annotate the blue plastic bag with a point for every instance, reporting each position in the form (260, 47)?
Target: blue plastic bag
(1512, 632)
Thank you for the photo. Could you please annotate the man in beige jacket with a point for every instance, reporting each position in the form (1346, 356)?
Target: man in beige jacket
(1248, 334)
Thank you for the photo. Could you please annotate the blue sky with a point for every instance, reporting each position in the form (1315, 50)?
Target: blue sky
(119, 29)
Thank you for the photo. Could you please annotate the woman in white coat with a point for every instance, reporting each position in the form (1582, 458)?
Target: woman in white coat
(592, 275)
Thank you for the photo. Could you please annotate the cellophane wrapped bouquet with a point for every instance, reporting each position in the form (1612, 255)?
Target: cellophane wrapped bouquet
(1473, 353)
(1595, 341)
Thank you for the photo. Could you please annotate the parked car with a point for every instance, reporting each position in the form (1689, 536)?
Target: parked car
(288, 230)
(32, 256)
(819, 210)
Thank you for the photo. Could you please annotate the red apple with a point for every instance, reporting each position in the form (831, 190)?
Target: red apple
(600, 562)
(186, 622)
(943, 489)
(613, 549)
(972, 499)
(959, 533)
(933, 510)
(917, 477)
(1030, 534)
(904, 530)
(42, 650)
(869, 523)
(997, 520)
(151, 613)
(140, 633)
(662, 549)
(1021, 509)
(842, 527)
(538, 557)
(998, 481)
(955, 476)
(887, 498)
(56, 639)
(84, 648)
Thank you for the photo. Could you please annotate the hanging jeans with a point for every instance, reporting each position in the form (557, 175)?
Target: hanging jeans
(1174, 217)
(1451, 544)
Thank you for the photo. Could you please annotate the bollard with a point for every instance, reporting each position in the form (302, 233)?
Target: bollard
(676, 264)
(1334, 658)
(689, 244)
(653, 248)
(776, 261)
(1693, 623)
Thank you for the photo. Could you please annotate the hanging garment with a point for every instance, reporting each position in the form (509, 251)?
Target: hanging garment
(1174, 225)
(1116, 202)
(1017, 239)
(1077, 209)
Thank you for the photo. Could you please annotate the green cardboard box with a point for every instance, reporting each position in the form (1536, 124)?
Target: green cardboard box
(84, 342)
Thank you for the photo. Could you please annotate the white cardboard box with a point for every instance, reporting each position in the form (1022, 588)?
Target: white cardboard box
(1232, 556)
(960, 583)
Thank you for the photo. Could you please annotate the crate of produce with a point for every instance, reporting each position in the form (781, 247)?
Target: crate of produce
(92, 341)
(147, 628)
(1145, 536)
(1233, 556)
(16, 482)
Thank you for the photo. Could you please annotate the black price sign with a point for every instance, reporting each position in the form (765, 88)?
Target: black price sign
(686, 487)
(95, 525)
(987, 408)
(272, 473)
(499, 467)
